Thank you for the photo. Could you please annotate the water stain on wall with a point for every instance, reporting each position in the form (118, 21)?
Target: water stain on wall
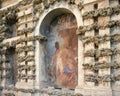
(61, 51)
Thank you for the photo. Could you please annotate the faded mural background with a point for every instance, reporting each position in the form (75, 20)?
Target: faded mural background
(61, 51)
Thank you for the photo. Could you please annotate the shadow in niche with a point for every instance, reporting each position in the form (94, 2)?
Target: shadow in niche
(61, 49)
(11, 66)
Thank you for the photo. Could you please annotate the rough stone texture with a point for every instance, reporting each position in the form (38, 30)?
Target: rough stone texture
(6, 3)
(45, 45)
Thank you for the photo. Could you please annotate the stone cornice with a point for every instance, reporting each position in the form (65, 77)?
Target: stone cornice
(101, 52)
(101, 39)
(101, 65)
(49, 91)
(104, 78)
(102, 12)
(25, 48)
(96, 25)
(25, 58)
(21, 40)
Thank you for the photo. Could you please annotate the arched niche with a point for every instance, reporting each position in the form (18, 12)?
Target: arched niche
(60, 49)
(50, 17)
(43, 26)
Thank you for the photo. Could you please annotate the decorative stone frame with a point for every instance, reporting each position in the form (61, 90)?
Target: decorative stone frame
(49, 14)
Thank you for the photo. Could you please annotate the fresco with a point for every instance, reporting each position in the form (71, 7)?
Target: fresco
(61, 52)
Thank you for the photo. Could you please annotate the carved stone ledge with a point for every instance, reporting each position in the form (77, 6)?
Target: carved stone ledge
(48, 91)
(109, 24)
(101, 65)
(25, 30)
(25, 48)
(25, 58)
(25, 2)
(101, 52)
(104, 78)
(102, 12)
(21, 40)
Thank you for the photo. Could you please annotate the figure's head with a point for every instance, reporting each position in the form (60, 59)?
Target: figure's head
(56, 45)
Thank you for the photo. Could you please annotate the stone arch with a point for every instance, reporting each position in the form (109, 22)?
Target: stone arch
(43, 24)
(50, 16)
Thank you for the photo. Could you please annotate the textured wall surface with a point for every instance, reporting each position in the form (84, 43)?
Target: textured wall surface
(59, 48)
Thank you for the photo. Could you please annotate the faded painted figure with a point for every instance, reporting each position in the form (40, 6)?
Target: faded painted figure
(63, 56)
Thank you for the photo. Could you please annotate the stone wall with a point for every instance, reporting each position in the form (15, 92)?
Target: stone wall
(115, 30)
(22, 27)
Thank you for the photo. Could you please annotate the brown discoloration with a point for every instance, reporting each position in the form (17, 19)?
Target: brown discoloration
(64, 62)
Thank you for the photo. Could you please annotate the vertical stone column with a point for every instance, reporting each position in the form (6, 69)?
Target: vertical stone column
(41, 74)
(82, 48)
(80, 62)
(1, 62)
(105, 84)
(115, 30)
(25, 30)
(3, 71)
(91, 87)
(20, 66)
(88, 59)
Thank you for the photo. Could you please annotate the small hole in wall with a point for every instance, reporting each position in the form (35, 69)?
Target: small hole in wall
(0, 4)
(118, 1)
(96, 82)
(95, 6)
(95, 19)
(26, 25)
(96, 46)
(96, 32)
(26, 80)
(96, 59)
